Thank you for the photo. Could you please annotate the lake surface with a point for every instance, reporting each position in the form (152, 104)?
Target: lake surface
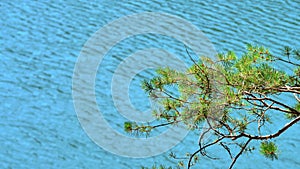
(40, 42)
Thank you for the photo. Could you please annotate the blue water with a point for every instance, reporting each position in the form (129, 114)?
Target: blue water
(41, 40)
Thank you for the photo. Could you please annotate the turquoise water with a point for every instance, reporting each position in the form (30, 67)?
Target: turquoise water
(41, 40)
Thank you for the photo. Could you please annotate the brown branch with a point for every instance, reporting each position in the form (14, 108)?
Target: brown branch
(262, 118)
(201, 149)
(174, 98)
(202, 135)
(164, 124)
(297, 98)
(292, 110)
(265, 137)
(239, 154)
(286, 61)
(288, 89)
(227, 149)
(266, 105)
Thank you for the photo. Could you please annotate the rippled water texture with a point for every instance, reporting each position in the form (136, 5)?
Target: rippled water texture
(41, 40)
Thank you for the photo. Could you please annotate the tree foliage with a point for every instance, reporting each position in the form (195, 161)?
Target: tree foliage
(237, 97)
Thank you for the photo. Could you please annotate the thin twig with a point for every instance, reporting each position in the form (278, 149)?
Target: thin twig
(239, 154)
(202, 148)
